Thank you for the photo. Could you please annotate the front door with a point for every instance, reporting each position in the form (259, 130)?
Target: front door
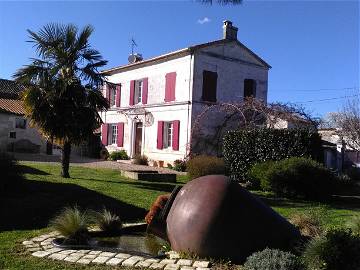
(138, 138)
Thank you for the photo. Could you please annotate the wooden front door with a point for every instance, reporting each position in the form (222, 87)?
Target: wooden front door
(138, 138)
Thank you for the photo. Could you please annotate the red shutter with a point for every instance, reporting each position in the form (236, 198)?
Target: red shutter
(118, 95)
(120, 134)
(107, 92)
(104, 134)
(160, 133)
(145, 91)
(132, 92)
(175, 138)
(170, 86)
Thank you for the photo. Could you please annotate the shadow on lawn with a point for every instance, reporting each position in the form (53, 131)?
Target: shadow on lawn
(38, 202)
(30, 170)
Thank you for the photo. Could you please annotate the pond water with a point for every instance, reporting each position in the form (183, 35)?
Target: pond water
(140, 242)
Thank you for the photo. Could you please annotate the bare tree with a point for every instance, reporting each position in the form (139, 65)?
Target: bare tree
(348, 123)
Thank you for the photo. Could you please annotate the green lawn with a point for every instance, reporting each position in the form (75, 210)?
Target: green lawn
(26, 212)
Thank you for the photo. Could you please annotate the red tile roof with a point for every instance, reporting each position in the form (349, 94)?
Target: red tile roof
(12, 106)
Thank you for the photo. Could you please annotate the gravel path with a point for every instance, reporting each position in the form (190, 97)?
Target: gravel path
(92, 163)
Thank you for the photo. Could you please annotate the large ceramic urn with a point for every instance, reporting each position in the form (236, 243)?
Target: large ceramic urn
(212, 216)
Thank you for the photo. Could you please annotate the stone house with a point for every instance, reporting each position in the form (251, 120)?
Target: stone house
(154, 103)
(15, 133)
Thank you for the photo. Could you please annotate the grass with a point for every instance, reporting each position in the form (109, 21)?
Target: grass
(26, 212)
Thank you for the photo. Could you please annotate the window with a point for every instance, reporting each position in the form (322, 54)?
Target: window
(113, 132)
(138, 91)
(168, 134)
(20, 123)
(12, 135)
(209, 86)
(249, 88)
(112, 96)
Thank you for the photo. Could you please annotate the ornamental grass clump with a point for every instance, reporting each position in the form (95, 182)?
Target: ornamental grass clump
(72, 224)
(272, 259)
(309, 223)
(108, 221)
(337, 249)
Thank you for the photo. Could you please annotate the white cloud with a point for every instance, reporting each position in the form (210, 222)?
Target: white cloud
(204, 20)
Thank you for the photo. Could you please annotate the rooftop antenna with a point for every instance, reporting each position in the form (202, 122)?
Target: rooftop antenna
(133, 45)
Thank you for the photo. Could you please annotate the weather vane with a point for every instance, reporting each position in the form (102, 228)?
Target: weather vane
(133, 45)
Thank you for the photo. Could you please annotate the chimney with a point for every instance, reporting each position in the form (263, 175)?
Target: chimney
(229, 31)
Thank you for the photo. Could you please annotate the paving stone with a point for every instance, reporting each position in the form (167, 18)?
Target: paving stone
(57, 256)
(84, 261)
(184, 262)
(152, 260)
(89, 256)
(100, 259)
(27, 243)
(67, 251)
(202, 268)
(33, 249)
(73, 258)
(201, 264)
(157, 266)
(114, 261)
(143, 264)
(187, 268)
(54, 250)
(83, 251)
(172, 266)
(47, 246)
(168, 261)
(94, 252)
(174, 255)
(32, 246)
(40, 254)
(122, 256)
(132, 261)
(46, 242)
(107, 254)
(53, 234)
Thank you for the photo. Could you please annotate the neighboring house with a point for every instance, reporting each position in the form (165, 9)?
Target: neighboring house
(15, 133)
(337, 154)
(154, 103)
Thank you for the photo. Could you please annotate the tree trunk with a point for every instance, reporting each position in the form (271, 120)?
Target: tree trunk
(65, 160)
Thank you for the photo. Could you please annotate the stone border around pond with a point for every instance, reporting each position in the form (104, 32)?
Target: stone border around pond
(42, 247)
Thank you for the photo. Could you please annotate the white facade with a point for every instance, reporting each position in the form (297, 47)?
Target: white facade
(231, 61)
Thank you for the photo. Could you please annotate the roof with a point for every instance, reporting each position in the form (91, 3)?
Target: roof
(10, 89)
(183, 52)
(12, 106)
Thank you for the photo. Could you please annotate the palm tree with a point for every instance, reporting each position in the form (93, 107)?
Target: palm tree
(62, 97)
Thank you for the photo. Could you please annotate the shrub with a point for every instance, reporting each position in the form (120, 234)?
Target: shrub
(140, 160)
(180, 165)
(169, 166)
(354, 224)
(272, 259)
(205, 165)
(118, 155)
(353, 173)
(11, 175)
(258, 174)
(336, 249)
(243, 148)
(295, 177)
(108, 221)
(72, 224)
(309, 223)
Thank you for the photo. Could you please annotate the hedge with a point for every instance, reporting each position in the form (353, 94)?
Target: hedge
(243, 148)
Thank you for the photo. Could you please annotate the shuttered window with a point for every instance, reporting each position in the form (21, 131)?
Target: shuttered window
(209, 86)
(170, 83)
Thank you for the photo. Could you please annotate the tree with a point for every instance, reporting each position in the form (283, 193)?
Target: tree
(348, 123)
(62, 96)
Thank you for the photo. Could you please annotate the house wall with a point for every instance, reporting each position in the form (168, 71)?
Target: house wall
(180, 109)
(7, 125)
(233, 65)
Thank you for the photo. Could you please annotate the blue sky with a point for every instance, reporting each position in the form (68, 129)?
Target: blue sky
(313, 47)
